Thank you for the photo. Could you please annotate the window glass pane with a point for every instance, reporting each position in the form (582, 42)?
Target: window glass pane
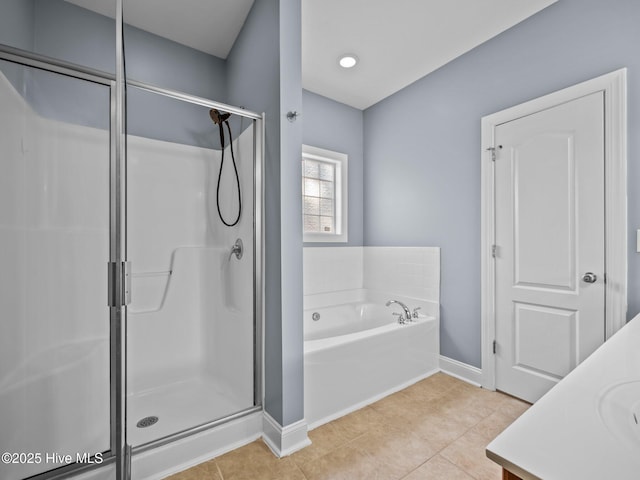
(311, 223)
(326, 207)
(310, 168)
(326, 189)
(322, 199)
(326, 224)
(311, 187)
(311, 205)
(326, 171)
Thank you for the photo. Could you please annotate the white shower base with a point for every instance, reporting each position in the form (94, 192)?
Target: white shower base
(179, 406)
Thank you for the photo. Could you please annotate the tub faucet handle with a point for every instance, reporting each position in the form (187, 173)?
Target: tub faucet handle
(415, 312)
(401, 319)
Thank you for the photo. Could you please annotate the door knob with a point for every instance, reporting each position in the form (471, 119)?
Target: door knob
(589, 277)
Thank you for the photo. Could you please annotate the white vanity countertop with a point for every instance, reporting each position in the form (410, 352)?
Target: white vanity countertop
(566, 434)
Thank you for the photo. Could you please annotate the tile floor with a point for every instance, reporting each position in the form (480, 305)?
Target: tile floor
(436, 429)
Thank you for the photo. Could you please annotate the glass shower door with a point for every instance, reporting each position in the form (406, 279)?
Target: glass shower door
(54, 248)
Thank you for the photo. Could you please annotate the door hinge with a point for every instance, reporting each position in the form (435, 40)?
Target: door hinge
(495, 347)
(119, 282)
(494, 250)
(493, 151)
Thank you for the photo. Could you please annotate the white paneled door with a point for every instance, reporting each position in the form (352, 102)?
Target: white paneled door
(550, 244)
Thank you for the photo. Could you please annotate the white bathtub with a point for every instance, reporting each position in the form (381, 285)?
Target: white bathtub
(357, 353)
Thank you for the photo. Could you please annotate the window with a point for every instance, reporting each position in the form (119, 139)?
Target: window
(324, 195)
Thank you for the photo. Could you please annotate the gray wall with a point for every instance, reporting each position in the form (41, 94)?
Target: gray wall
(291, 210)
(16, 30)
(67, 32)
(338, 127)
(158, 61)
(73, 34)
(264, 75)
(16, 23)
(431, 151)
(64, 31)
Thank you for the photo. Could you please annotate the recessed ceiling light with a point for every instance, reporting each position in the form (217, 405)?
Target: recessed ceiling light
(348, 61)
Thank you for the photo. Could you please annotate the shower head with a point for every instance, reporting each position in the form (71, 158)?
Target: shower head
(217, 117)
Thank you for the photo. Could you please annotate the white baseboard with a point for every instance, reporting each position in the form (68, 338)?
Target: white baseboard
(463, 371)
(281, 440)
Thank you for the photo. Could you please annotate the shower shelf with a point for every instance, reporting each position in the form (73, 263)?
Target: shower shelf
(149, 291)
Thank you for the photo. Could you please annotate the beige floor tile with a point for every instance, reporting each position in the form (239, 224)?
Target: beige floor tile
(493, 425)
(462, 409)
(256, 461)
(438, 468)
(468, 453)
(395, 451)
(394, 407)
(511, 406)
(479, 397)
(426, 391)
(346, 463)
(359, 422)
(324, 439)
(204, 471)
(441, 382)
(439, 430)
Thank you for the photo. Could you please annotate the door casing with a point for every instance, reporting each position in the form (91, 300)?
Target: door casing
(615, 116)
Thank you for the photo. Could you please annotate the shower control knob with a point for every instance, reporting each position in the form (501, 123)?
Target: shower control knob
(589, 277)
(237, 249)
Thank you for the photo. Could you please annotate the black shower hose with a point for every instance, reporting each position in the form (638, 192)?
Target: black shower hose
(235, 168)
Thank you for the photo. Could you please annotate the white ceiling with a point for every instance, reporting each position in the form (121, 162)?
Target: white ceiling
(397, 41)
(210, 26)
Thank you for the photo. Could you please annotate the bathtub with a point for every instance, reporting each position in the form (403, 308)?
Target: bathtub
(356, 353)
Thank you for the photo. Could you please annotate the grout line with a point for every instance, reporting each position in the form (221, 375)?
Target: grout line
(219, 471)
(419, 466)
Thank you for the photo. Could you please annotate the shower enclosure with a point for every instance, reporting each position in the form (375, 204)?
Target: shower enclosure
(191, 328)
(131, 312)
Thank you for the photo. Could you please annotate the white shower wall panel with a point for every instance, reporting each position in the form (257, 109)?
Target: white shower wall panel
(192, 303)
(229, 335)
(166, 200)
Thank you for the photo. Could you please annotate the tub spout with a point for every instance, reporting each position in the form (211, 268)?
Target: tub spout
(407, 312)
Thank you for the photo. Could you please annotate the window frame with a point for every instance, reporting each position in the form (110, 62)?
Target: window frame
(341, 162)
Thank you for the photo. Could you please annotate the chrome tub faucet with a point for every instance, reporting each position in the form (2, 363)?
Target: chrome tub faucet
(407, 313)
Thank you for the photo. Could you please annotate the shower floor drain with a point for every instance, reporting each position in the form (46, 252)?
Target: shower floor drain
(147, 422)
